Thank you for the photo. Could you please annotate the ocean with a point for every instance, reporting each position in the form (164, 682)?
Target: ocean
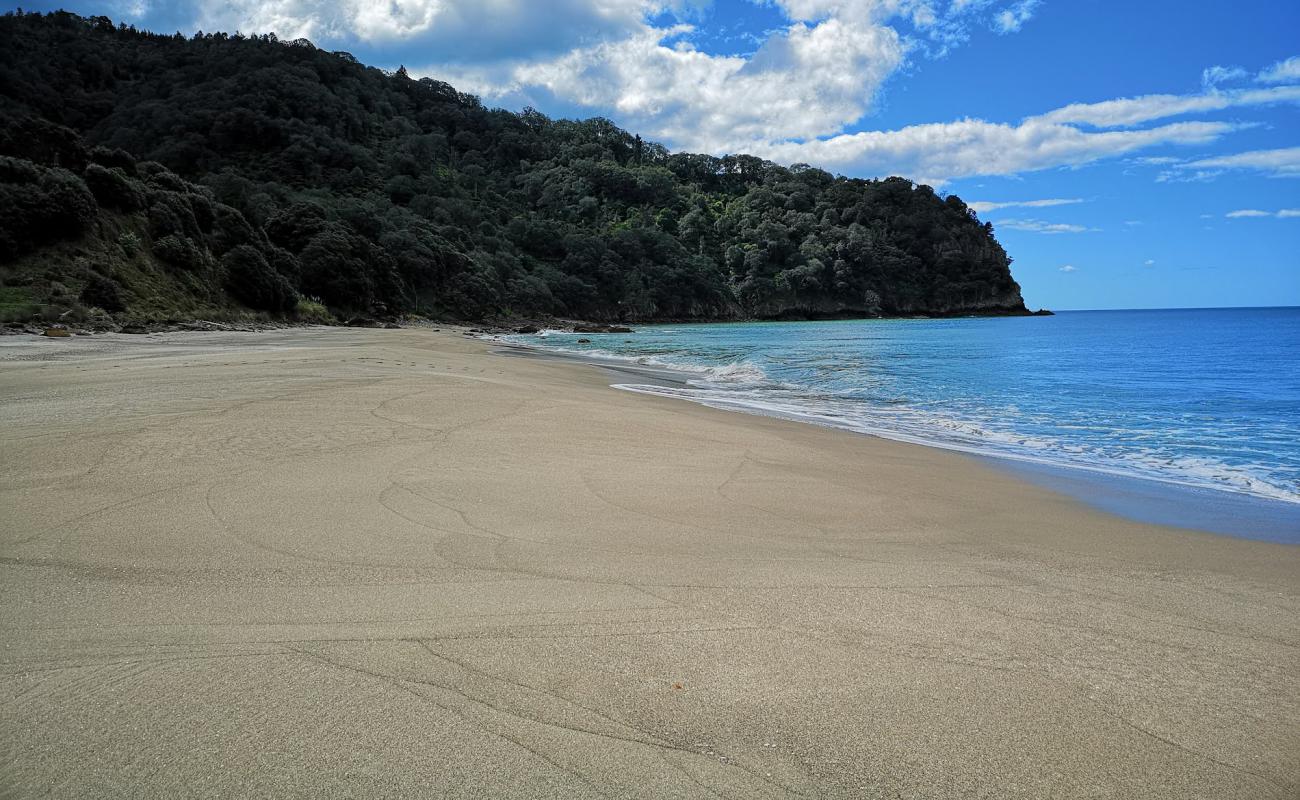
(1206, 401)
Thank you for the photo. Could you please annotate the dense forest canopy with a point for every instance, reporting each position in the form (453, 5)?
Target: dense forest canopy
(157, 174)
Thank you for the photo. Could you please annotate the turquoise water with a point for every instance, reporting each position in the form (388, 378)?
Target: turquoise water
(1199, 398)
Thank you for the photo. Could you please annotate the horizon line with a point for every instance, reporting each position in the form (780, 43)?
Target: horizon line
(1182, 308)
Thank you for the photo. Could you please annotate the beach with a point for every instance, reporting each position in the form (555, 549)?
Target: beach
(351, 563)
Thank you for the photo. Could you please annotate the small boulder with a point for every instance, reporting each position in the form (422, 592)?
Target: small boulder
(57, 332)
(528, 329)
(584, 341)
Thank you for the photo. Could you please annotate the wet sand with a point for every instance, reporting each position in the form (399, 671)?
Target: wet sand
(333, 563)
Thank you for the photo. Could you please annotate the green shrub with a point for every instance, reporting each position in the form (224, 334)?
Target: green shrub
(113, 158)
(17, 170)
(69, 207)
(40, 206)
(129, 242)
(102, 292)
(170, 214)
(230, 229)
(161, 177)
(313, 311)
(179, 251)
(252, 281)
(113, 189)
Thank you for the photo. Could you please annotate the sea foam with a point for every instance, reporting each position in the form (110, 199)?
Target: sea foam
(1075, 391)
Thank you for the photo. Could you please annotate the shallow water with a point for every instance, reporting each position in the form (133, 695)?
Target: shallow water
(1206, 400)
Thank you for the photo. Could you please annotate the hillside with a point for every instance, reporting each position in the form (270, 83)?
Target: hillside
(160, 177)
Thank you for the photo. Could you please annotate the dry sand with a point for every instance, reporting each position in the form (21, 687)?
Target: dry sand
(341, 563)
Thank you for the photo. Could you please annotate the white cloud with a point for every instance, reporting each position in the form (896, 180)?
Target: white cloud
(938, 152)
(982, 206)
(1283, 162)
(1280, 163)
(801, 83)
(1012, 19)
(462, 31)
(1198, 176)
(1287, 71)
(812, 77)
(1286, 213)
(791, 100)
(1039, 226)
(1069, 268)
(1150, 262)
(1129, 111)
(809, 79)
(1213, 76)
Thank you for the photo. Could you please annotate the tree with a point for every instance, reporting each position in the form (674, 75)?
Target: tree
(252, 280)
(366, 189)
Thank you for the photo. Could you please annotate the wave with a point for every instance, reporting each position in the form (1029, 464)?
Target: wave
(743, 385)
(916, 427)
(739, 372)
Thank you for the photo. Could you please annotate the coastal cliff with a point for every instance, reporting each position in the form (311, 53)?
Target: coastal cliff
(158, 177)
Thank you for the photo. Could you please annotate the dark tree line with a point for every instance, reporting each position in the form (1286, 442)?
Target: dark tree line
(266, 170)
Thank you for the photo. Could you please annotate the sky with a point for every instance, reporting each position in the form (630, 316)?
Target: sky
(1129, 154)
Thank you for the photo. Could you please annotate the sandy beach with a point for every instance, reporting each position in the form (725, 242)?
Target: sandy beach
(359, 563)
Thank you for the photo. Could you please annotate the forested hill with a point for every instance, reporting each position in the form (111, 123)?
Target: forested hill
(163, 176)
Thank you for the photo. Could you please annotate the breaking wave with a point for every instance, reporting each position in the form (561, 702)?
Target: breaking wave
(1081, 392)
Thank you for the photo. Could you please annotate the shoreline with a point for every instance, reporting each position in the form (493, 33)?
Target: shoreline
(252, 323)
(1137, 498)
(262, 564)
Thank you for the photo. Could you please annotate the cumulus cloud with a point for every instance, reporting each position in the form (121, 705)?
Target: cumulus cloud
(466, 31)
(1287, 71)
(792, 99)
(983, 206)
(809, 79)
(1010, 20)
(803, 82)
(1069, 268)
(815, 75)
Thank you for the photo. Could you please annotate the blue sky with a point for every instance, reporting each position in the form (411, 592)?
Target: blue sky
(1129, 154)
